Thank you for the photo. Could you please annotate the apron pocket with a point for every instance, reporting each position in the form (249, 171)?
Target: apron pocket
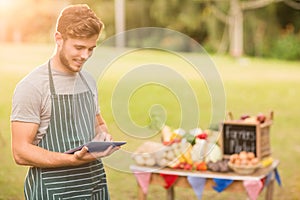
(76, 182)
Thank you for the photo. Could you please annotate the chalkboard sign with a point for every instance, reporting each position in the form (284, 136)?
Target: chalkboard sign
(251, 137)
(237, 138)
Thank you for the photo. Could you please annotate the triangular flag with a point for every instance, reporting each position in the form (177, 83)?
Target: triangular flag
(263, 182)
(169, 179)
(197, 184)
(277, 177)
(221, 184)
(253, 188)
(143, 179)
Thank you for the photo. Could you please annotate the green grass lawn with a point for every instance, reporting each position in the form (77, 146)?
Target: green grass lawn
(251, 86)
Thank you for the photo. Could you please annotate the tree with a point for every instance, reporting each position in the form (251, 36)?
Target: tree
(187, 17)
(234, 19)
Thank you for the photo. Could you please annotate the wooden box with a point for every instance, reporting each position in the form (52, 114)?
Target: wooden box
(237, 136)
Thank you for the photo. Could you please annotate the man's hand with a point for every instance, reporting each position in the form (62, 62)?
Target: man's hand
(101, 130)
(102, 136)
(83, 156)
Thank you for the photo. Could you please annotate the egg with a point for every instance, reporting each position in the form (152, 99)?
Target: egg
(243, 155)
(250, 155)
(254, 161)
(237, 162)
(244, 162)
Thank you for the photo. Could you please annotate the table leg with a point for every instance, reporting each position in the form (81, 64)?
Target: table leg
(170, 193)
(269, 191)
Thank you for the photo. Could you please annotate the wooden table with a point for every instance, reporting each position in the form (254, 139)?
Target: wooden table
(236, 186)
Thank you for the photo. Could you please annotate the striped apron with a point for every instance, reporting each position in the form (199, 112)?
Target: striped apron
(72, 124)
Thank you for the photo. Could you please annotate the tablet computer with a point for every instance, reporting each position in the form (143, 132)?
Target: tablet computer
(97, 146)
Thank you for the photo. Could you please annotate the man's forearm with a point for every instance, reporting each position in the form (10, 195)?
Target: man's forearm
(31, 155)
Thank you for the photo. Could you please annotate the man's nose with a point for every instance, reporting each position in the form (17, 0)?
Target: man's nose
(85, 54)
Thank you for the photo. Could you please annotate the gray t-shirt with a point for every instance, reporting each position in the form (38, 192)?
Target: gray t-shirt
(32, 101)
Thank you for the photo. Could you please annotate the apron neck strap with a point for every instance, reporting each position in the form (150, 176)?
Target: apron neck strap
(52, 88)
(85, 82)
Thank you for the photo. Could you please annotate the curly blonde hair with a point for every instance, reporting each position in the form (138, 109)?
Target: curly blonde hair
(78, 21)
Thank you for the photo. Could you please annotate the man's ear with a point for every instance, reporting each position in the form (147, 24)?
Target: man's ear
(58, 39)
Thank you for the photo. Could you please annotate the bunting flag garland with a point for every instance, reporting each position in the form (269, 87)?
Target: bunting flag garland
(143, 179)
(197, 184)
(221, 184)
(169, 179)
(253, 188)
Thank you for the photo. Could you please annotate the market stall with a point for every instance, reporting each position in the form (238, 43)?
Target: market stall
(237, 157)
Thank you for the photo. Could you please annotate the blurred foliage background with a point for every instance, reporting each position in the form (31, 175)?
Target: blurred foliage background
(269, 28)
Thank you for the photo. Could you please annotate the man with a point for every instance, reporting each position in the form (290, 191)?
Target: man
(55, 109)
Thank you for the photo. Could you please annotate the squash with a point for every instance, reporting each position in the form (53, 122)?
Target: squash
(213, 153)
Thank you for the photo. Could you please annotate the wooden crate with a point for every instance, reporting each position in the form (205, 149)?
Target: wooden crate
(237, 136)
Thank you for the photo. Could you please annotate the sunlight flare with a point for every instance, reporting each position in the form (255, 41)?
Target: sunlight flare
(4, 4)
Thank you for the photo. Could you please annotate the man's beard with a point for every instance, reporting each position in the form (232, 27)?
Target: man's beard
(64, 61)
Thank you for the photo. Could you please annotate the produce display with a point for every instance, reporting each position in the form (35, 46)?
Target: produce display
(197, 150)
(180, 150)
